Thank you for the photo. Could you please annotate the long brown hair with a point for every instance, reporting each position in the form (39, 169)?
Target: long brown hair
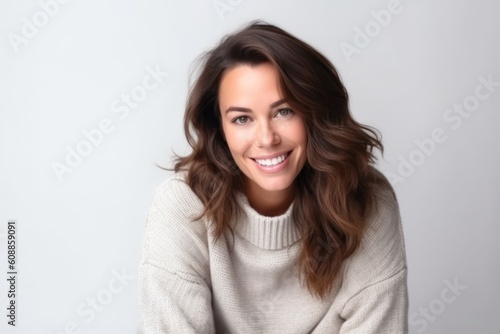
(336, 187)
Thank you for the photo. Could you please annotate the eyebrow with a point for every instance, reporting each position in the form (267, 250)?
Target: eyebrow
(241, 109)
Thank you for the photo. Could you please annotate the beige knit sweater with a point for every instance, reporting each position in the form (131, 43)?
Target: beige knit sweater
(190, 284)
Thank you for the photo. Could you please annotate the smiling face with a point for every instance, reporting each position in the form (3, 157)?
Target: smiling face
(267, 139)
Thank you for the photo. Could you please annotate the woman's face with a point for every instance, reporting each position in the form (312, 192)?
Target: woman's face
(267, 139)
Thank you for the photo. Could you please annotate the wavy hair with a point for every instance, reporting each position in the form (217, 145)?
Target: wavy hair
(335, 190)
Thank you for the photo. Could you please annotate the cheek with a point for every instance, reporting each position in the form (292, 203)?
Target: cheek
(299, 133)
(235, 141)
(237, 134)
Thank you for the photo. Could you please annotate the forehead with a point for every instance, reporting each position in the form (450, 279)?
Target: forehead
(246, 82)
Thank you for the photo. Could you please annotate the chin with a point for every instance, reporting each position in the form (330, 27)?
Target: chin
(274, 185)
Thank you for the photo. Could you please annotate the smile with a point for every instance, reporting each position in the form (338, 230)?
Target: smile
(274, 161)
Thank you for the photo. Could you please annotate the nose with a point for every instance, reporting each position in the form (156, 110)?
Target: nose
(267, 136)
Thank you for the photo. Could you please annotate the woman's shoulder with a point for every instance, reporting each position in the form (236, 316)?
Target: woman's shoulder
(384, 212)
(174, 193)
(174, 182)
(174, 239)
(382, 250)
(176, 210)
(384, 222)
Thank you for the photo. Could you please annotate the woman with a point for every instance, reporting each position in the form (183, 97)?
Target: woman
(277, 221)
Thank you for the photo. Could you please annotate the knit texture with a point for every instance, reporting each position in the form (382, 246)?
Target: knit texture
(188, 283)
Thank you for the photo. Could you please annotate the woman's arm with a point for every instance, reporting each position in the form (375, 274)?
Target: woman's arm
(379, 308)
(376, 275)
(173, 303)
(174, 280)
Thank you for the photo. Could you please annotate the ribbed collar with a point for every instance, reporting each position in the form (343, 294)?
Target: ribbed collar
(270, 233)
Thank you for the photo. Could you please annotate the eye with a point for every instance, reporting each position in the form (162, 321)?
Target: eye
(240, 120)
(284, 112)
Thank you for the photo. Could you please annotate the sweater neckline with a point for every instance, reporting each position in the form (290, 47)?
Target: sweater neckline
(269, 233)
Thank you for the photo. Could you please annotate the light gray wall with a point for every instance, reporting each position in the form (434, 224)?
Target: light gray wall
(68, 71)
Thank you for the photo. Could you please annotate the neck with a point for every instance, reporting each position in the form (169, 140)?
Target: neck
(269, 203)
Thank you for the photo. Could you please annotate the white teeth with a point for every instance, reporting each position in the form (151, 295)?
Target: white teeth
(273, 161)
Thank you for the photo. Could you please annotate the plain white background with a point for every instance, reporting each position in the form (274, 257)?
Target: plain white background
(68, 69)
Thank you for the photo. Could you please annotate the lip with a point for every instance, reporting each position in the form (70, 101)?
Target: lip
(273, 169)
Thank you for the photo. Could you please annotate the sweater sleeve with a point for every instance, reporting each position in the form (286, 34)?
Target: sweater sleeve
(379, 308)
(174, 280)
(376, 276)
